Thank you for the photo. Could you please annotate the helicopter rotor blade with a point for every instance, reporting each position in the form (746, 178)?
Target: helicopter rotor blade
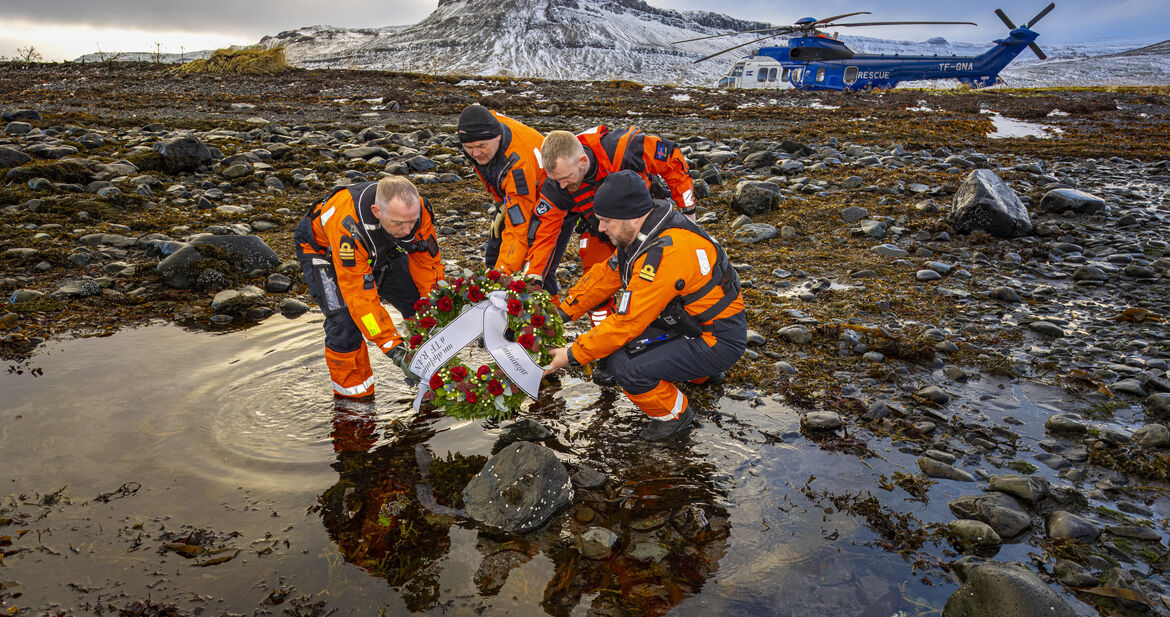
(1036, 50)
(1003, 16)
(836, 17)
(900, 23)
(1041, 14)
(720, 53)
(786, 30)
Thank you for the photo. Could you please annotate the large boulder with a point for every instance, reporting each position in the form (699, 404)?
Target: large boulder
(242, 254)
(984, 201)
(754, 198)
(519, 488)
(183, 153)
(997, 589)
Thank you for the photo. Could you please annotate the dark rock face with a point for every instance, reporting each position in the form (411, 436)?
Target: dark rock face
(755, 198)
(519, 488)
(984, 201)
(995, 589)
(183, 268)
(183, 153)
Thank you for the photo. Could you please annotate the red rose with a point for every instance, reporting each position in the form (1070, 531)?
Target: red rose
(445, 304)
(515, 307)
(537, 321)
(422, 304)
(495, 388)
(436, 381)
(527, 341)
(472, 398)
(474, 294)
(518, 286)
(427, 322)
(458, 373)
(457, 283)
(494, 275)
(415, 341)
(484, 371)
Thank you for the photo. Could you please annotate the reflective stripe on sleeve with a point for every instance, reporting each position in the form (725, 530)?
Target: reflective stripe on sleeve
(326, 215)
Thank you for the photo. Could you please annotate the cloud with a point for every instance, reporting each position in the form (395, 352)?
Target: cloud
(229, 17)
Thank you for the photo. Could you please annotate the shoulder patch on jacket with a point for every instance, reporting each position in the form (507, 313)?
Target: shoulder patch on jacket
(543, 207)
(662, 151)
(518, 178)
(345, 252)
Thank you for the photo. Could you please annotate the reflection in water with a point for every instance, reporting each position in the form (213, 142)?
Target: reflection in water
(372, 512)
(394, 511)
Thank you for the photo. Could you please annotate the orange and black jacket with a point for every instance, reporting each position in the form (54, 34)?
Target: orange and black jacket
(608, 151)
(672, 261)
(514, 177)
(346, 232)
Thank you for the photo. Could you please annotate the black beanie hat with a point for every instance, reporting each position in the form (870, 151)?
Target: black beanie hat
(622, 195)
(476, 123)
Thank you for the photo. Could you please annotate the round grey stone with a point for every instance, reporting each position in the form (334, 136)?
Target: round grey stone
(820, 421)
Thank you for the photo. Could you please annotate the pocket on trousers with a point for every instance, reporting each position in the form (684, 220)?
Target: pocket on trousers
(324, 288)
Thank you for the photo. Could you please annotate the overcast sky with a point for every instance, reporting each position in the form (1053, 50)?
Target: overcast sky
(66, 29)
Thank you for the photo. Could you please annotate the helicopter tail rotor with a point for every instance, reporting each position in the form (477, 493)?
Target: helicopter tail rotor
(1033, 46)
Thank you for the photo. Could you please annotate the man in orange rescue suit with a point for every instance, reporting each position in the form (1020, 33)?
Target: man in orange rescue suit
(576, 165)
(506, 156)
(366, 243)
(679, 314)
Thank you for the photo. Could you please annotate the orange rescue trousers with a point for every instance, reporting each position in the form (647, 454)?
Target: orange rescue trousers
(648, 377)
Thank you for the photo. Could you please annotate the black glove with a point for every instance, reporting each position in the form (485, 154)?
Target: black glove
(564, 316)
(397, 354)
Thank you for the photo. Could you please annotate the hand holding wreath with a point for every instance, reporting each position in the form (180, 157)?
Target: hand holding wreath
(486, 391)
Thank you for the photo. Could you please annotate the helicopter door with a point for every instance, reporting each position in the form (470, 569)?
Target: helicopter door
(850, 75)
(820, 74)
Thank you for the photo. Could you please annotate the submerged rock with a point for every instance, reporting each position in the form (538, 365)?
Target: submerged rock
(519, 488)
(996, 589)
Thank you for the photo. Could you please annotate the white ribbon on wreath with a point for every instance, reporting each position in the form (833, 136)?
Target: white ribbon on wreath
(489, 319)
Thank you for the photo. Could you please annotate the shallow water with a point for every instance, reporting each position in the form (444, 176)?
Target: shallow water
(237, 432)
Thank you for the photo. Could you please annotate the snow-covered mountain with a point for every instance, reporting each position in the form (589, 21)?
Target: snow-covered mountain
(558, 39)
(629, 39)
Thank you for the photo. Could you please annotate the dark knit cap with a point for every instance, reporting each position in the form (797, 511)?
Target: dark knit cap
(476, 123)
(622, 195)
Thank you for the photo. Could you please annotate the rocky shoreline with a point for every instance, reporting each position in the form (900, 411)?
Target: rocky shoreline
(875, 296)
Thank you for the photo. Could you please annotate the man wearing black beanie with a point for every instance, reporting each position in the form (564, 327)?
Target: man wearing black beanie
(506, 156)
(679, 314)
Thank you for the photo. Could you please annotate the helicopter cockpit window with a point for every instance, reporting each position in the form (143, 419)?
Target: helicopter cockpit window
(850, 75)
(738, 70)
(821, 74)
(772, 74)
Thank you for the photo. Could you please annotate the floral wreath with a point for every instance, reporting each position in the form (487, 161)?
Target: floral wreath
(485, 392)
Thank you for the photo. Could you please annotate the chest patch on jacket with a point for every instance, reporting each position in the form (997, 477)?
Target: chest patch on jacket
(662, 151)
(345, 252)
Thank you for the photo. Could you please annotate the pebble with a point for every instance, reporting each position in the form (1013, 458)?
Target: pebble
(820, 421)
(939, 469)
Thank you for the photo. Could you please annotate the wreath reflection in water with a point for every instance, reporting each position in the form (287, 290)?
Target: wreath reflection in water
(520, 327)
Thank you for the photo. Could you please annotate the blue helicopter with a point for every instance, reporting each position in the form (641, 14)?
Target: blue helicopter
(813, 60)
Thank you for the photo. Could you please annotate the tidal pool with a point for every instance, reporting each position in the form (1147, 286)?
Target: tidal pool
(214, 472)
